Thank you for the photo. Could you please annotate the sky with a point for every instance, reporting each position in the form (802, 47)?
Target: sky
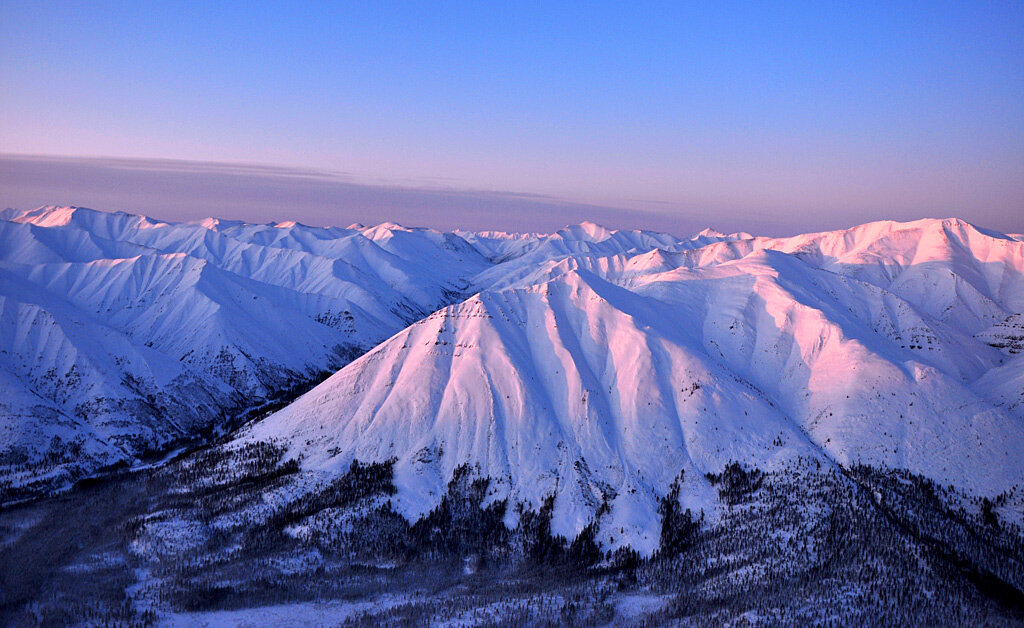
(766, 117)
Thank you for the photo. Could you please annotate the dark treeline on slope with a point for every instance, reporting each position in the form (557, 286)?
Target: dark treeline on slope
(224, 529)
(71, 466)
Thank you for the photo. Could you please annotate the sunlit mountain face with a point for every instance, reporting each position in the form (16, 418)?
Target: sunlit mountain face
(697, 427)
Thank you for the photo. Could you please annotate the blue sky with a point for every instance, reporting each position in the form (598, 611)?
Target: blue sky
(791, 116)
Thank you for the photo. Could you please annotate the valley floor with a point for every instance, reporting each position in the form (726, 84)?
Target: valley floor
(238, 537)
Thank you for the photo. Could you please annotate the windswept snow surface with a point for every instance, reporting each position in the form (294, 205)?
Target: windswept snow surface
(590, 364)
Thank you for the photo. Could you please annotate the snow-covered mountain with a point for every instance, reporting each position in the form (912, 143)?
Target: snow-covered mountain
(599, 368)
(595, 365)
(120, 333)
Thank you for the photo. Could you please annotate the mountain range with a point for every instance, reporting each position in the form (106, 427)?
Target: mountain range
(598, 367)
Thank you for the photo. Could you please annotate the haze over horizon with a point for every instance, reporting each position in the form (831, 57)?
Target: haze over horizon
(776, 120)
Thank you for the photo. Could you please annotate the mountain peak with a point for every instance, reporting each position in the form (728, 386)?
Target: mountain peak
(708, 232)
(62, 215)
(594, 230)
(218, 224)
(50, 215)
(587, 230)
(383, 231)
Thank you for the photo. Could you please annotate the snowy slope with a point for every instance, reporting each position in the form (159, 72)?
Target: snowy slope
(604, 369)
